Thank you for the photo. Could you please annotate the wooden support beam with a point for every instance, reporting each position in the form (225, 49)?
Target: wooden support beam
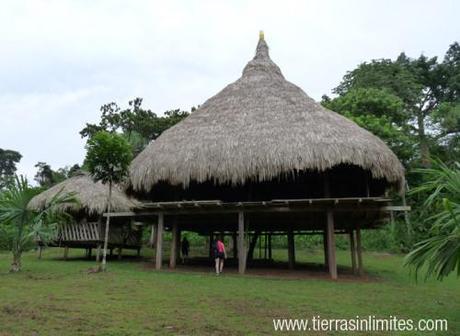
(90, 252)
(331, 245)
(241, 244)
(40, 249)
(291, 249)
(173, 254)
(353, 251)
(359, 252)
(120, 253)
(159, 242)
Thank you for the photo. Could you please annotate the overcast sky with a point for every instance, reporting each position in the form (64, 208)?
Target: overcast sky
(61, 60)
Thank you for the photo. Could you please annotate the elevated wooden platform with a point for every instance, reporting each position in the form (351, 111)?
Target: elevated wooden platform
(277, 205)
(249, 220)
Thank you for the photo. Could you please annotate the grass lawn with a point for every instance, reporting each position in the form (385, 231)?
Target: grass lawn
(56, 297)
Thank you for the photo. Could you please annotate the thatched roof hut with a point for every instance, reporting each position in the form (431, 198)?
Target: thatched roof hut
(262, 158)
(260, 127)
(91, 196)
(87, 229)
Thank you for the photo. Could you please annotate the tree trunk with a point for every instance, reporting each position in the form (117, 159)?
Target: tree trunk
(423, 143)
(16, 264)
(106, 236)
(252, 245)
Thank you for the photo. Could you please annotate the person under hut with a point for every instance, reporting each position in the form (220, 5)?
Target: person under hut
(185, 247)
(220, 255)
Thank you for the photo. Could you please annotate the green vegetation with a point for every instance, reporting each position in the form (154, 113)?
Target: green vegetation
(440, 252)
(54, 297)
(107, 159)
(138, 125)
(20, 225)
(8, 161)
(416, 96)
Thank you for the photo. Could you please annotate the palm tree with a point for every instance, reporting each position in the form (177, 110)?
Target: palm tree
(19, 225)
(441, 252)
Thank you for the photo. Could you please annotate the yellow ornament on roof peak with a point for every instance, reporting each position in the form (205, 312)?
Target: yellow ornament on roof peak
(261, 35)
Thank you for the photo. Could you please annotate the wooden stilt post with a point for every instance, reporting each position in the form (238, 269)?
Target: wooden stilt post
(111, 252)
(159, 242)
(66, 252)
(138, 252)
(353, 251)
(241, 244)
(331, 245)
(120, 253)
(291, 249)
(359, 251)
(40, 249)
(90, 252)
(173, 254)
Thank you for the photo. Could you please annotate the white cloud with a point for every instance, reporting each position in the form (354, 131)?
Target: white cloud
(61, 60)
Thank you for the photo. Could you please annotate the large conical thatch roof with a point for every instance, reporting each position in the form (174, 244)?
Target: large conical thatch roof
(259, 127)
(91, 196)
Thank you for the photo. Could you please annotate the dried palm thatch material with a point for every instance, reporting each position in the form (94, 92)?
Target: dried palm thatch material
(260, 127)
(91, 196)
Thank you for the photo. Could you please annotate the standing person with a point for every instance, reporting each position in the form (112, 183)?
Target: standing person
(219, 255)
(185, 247)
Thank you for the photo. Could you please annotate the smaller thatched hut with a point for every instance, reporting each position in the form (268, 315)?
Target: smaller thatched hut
(87, 230)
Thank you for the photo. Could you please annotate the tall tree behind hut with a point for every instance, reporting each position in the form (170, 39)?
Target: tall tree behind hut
(138, 125)
(107, 159)
(8, 161)
(46, 177)
(430, 94)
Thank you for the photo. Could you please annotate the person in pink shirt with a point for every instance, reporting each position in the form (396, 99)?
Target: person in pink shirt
(219, 255)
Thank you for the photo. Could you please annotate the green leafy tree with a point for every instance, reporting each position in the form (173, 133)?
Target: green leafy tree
(20, 225)
(378, 111)
(107, 159)
(46, 177)
(8, 161)
(440, 253)
(428, 89)
(138, 125)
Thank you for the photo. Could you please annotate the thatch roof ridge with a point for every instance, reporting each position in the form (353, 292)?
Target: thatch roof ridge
(91, 196)
(259, 127)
